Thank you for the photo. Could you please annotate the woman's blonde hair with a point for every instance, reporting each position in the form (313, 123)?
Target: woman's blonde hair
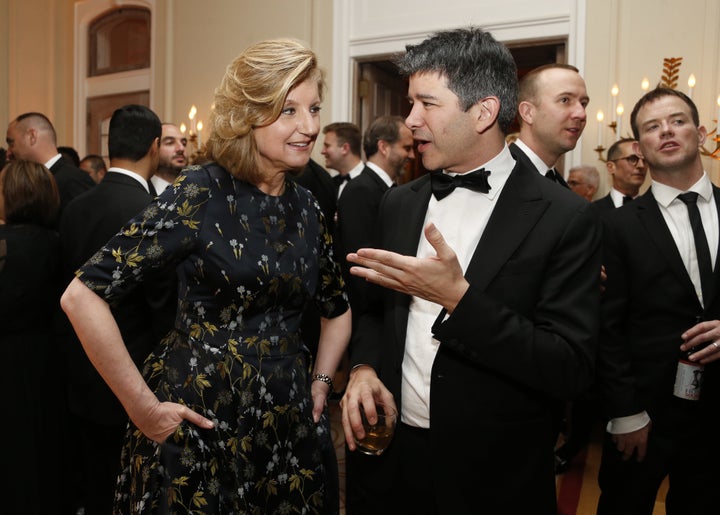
(252, 94)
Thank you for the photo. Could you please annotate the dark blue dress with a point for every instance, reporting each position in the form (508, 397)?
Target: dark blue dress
(247, 264)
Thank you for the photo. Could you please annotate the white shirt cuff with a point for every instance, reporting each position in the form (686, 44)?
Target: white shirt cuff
(623, 425)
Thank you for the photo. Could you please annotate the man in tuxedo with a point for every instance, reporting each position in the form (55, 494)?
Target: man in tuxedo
(172, 157)
(490, 318)
(551, 110)
(31, 136)
(341, 148)
(583, 180)
(660, 303)
(628, 170)
(388, 146)
(88, 222)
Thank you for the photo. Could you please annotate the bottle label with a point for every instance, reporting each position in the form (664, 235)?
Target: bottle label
(688, 380)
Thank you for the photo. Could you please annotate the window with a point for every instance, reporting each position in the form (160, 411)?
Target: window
(119, 40)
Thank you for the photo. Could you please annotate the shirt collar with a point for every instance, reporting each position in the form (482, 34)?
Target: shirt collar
(356, 170)
(53, 160)
(665, 194)
(134, 175)
(381, 173)
(500, 168)
(541, 166)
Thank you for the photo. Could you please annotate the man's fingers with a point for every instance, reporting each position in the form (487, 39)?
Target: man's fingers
(435, 238)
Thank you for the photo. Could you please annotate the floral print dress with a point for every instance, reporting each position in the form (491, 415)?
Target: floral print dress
(247, 264)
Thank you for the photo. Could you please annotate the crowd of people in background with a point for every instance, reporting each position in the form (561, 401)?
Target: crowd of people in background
(174, 331)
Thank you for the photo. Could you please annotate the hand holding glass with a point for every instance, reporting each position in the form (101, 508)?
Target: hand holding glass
(378, 435)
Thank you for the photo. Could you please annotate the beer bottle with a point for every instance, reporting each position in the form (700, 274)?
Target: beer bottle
(689, 375)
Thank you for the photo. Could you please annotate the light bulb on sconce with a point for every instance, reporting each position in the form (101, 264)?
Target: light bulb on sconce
(691, 85)
(619, 110)
(645, 84)
(600, 149)
(194, 131)
(614, 92)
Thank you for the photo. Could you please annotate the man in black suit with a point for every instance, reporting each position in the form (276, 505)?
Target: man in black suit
(388, 146)
(493, 321)
(31, 136)
(551, 110)
(341, 149)
(87, 223)
(660, 303)
(628, 170)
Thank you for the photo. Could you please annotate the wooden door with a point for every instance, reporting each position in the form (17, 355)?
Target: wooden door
(99, 112)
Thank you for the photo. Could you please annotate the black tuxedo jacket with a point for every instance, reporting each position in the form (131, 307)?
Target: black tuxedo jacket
(87, 223)
(604, 204)
(523, 158)
(649, 301)
(520, 343)
(71, 181)
(358, 226)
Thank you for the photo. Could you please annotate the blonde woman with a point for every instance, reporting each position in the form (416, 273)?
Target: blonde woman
(228, 414)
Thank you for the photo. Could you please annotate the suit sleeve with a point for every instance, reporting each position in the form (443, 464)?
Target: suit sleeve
(548, 344)
(358, 228)
(615, 362)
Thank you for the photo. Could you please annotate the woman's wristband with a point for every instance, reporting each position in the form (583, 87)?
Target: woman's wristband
(325, 379)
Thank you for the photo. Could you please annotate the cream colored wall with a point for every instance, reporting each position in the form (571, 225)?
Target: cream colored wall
(627, 40)
(37, 72)
(204, 37)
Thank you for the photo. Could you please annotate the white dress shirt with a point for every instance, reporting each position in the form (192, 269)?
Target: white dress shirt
(462, 233)
(542, 166)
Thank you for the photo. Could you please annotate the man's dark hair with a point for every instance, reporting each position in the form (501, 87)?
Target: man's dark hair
(475, 64)
(70, 155)
(133, 129)
(346, 132)
(656, 94)
(615, 150)
(97, 163)
(385, 128)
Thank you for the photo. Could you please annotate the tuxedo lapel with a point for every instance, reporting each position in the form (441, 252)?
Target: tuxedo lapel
(652, 220)
(414, 207)
(519, 207)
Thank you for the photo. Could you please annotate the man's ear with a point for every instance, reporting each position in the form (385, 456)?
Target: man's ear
(345, 148)
(32, 135)
(526, 111)
(702, 135)
(487, 109)
(382, 146)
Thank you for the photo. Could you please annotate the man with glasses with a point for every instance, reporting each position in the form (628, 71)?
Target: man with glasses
(628, 172)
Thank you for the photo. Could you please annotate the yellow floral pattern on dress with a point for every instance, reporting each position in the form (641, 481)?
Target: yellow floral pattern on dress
(247, 264)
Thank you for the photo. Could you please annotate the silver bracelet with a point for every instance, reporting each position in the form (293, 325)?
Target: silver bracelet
(325, 379)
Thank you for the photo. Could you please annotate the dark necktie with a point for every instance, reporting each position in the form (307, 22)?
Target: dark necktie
(339, 179)
(151, 188)
(443, 184)
(626, 199)
(701, 245)
(554, 176)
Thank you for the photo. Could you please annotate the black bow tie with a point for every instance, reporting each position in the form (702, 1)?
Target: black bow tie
(339, 179)
(443, 184)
